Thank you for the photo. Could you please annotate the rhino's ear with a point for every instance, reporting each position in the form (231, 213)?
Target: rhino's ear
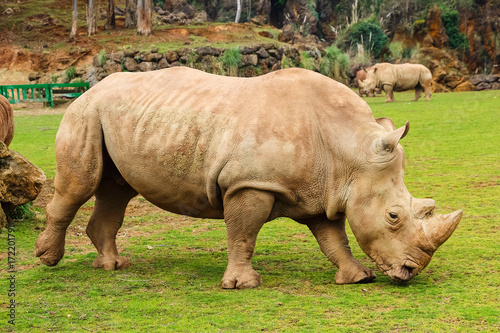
(390, 140)
(386, 123)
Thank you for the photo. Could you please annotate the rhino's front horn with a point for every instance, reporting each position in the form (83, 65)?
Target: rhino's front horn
(439, 228)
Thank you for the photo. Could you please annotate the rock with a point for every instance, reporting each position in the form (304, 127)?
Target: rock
(112, 67)
(438, 88)
(262, 53)
(130, 65)
(453, 80)
(147, 66)
(476, 79)
(207, 50)
(249, 50)
(465, 86)
(152, 57)
(34, 76)
(495, 86)
(483, 86)
(249, 60)
(276, 53)
(163, 63)
(435, 27)
(287, 34)
(117, 56)
(171, 56)
(20, 180)
(201, 17)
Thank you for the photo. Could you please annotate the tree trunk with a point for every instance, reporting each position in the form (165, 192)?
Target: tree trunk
(111, 23)
(238, 11)
(131, 14)
(144, 24)
(74, 26)
(91, 22)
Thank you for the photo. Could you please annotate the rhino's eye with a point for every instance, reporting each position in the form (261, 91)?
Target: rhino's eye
(393, 216)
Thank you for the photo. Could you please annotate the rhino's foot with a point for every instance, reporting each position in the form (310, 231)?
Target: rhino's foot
(248, 278)
(50, 246)
(355, 273)
(111, 262)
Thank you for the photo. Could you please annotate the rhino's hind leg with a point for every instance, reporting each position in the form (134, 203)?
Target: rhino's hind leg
(333, 242)
(418, 93)
(245, 212)
(112, 198)
(60, 212)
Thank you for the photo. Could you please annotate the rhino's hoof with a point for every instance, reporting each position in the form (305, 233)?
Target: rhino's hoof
(250, 279)
(49, 251)
(363, 275)
(111, 263)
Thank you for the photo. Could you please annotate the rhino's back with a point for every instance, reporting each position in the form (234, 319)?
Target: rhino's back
(403, 76)
(181, 134)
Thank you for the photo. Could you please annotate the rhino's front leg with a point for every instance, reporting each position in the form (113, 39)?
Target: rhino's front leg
(245, 212)
(333, 241)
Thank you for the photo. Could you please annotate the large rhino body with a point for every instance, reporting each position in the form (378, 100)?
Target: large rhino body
(290, 143)
(6, 121)
(391, 78)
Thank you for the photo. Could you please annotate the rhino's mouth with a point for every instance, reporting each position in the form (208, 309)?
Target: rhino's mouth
(402, 273)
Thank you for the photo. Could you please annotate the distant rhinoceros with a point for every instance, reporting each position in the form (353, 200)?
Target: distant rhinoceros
(6, 121)
(290, 143)
(391, 78)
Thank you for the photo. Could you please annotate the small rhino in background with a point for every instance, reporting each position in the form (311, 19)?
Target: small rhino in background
(360, 78)
(6, 121)
(391, 78)
(291, 143)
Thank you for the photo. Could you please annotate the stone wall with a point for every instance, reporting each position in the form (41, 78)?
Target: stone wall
(253, 60)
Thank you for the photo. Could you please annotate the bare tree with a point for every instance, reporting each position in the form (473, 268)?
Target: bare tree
(144, 12)
(91, 21)
(111, 23)
(131, 14)
(74, 26)
(238, 11)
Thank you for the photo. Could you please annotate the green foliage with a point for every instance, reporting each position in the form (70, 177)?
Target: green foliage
(54, 78)
(396, 49)
(22, 212)
(306, 61)
(335, 64)
(369, 34)
(231, 60)
(456, 40)
(70, 73)
(101, 58)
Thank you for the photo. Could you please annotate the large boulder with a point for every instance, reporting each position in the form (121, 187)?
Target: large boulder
(20, 181)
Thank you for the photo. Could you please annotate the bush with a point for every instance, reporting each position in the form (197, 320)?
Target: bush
(70, 73)
(456, 40)
(306, 61)
(231, 60)
(335, 64)
(369, 34)
(22, 212)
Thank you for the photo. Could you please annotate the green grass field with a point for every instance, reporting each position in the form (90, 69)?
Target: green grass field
(173, 285)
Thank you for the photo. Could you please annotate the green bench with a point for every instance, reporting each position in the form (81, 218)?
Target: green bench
(44, 93)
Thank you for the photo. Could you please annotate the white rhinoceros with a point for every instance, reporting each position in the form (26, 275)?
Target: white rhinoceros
(290, 143)
(391, 78)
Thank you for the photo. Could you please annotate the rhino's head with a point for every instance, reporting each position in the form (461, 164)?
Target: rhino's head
(370, 83)
(399, 232)
(365, 89)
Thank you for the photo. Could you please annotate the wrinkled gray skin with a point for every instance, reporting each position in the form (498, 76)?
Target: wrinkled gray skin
(290, 143)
